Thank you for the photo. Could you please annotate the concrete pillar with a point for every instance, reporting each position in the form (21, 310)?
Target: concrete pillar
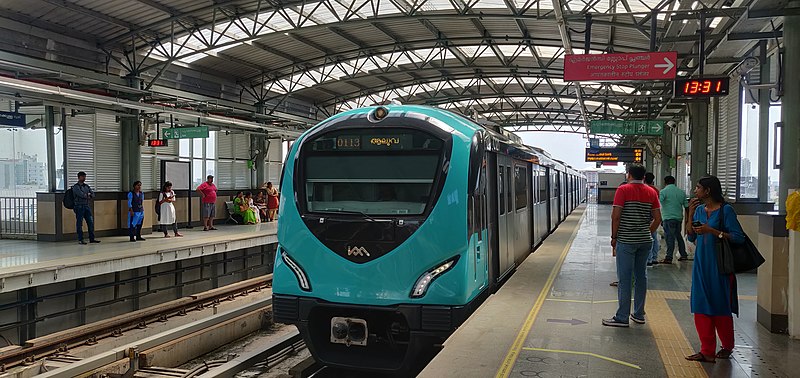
(666, 152)
(763, 127)
(130, 144)
(699, 121)
(790, 114)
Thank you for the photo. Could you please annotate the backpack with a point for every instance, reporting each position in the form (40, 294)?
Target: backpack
(69, 199)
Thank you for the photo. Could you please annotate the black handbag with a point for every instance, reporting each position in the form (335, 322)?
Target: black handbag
(736, 257)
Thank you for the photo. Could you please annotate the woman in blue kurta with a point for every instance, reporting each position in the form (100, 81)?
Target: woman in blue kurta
(714, 297)
(135, 212)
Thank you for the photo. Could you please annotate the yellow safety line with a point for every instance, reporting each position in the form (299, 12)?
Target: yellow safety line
(580, 301)
(516, 347)
(670, 339)
(586, 354)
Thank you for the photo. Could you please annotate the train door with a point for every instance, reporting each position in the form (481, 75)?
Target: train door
(521, 212)
(505, 217)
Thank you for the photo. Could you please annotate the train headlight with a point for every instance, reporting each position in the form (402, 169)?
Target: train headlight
(421, 286)
(378, 114)
(302, 279)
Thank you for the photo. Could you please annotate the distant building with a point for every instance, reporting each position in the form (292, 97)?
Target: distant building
(25, 170)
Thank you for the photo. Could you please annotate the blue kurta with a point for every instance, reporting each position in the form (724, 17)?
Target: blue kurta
(714, 293)
(135, 203)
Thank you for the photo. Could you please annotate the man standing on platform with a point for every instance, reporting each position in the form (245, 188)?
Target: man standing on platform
(83, 193)
(674, 204)
(634, 217)
(208, 199)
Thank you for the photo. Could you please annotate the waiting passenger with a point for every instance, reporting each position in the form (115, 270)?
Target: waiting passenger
(261, 204)
(135, 212)
(242, 208)
(272, 202)
(713, 296)
(82, 194)
(166, 215)
(673, 205)
(649, 179)
(635, 215)
(208, 196)
(252, 205)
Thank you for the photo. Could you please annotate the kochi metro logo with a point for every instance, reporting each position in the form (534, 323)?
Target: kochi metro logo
(357, 251)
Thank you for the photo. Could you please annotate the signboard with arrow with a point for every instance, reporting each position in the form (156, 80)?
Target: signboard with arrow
(634, 127)
(621, 67)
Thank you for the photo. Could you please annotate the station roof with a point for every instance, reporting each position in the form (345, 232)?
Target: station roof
(499, 59)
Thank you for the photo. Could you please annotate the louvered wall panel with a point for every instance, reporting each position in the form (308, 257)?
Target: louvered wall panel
(224, 176)
(712, 156)
(80, 148)
(241, 146)
(225, 145)
(728, 140)
(241, 175)
(107, 154)
(6, 105)
(149, 182)
(274, 171)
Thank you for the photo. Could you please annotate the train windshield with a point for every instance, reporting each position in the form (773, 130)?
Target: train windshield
(374, 172)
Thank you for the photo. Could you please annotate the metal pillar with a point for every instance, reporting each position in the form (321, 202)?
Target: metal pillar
(130, 144)
(666, 149)
(49, 123)
(790, 113)
(763, 127)
(699, 120)
(261, 145)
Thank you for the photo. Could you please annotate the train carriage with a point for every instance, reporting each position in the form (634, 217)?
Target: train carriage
(396, 222)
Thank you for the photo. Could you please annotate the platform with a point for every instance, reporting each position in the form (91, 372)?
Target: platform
(546, 320)
(25, 264)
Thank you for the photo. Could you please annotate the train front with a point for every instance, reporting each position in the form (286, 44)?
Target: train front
(373, 263)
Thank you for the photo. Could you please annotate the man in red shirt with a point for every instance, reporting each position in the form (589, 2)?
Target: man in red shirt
(634, 217)
(208, 199)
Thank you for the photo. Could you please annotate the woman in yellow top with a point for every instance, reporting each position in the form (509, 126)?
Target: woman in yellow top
(241, 207)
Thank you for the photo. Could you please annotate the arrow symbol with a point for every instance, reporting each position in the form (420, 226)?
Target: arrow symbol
(668, 66)
(573, 321)
(657, 128)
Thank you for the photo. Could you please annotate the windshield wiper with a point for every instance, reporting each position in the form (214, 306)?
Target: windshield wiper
(353, 212)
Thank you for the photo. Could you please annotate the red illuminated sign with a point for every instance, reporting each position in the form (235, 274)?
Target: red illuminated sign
(621, 67)
(157, 143)
(709, 87)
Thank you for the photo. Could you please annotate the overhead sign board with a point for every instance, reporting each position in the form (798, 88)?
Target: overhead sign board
(631, 127)
(614, 155)
(702, 88)
(185, 132)
(621, 67)
(12, 119)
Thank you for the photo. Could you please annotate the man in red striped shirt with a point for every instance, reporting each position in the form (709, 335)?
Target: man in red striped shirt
(634, 217)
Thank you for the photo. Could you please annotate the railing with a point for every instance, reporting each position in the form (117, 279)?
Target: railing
(17, 217)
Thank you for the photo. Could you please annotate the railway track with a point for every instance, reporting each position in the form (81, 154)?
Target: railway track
(56, 346)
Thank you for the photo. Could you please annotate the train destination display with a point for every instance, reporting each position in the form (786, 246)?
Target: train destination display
(615, 155)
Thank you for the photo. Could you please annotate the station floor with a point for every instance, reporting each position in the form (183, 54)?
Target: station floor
(546, 320)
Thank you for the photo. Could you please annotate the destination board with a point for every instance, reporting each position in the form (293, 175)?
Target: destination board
(615, 155)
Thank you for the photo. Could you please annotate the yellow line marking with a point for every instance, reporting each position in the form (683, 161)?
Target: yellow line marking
(586, 354)
(516, 347)
(670, 339)
(580, 301)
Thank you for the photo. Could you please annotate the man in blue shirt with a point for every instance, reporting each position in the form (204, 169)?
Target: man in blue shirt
(673, 204)
(83, 193)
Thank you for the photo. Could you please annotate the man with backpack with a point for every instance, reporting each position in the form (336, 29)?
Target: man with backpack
(82, 193)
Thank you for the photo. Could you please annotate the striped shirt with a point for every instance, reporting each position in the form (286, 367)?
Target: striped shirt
(637, 202)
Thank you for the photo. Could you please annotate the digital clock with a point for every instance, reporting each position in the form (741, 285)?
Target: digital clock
(707, 87)
(157, 143)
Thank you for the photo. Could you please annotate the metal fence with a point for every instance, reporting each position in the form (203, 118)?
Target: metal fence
(17, 218)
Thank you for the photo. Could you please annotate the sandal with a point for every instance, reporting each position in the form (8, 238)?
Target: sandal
(724, 353)
(699, 357)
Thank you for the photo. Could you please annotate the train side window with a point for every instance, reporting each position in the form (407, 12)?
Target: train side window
(509, 188)
(501, 185)
(542, 186)
(521, 187)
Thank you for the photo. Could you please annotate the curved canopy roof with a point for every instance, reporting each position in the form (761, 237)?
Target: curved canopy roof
(501, 60)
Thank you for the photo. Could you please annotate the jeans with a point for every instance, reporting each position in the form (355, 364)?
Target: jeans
(83, 212)
(653, 256)
(631, 271)
(672, 232)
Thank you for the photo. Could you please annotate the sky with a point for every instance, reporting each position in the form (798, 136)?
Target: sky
(567, 147)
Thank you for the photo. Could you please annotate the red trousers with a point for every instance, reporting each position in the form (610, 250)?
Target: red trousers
(706, 325)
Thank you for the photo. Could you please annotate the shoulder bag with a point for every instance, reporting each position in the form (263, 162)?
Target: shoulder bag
(733, 257)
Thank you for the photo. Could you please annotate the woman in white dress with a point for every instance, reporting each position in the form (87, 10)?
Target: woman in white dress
(166, 216)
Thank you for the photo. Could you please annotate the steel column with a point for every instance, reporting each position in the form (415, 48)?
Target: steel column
(49, 123)
(763, 126)
(699, 120)
(790, 114)
(130, 144)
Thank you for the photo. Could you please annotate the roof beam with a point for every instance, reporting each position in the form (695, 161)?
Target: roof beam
(91, 13)
(558, 7)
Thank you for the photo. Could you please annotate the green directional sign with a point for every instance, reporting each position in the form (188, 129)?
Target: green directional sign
(633, 127)
(185, 132)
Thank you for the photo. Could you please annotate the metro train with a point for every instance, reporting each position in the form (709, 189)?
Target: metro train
(396, 222)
